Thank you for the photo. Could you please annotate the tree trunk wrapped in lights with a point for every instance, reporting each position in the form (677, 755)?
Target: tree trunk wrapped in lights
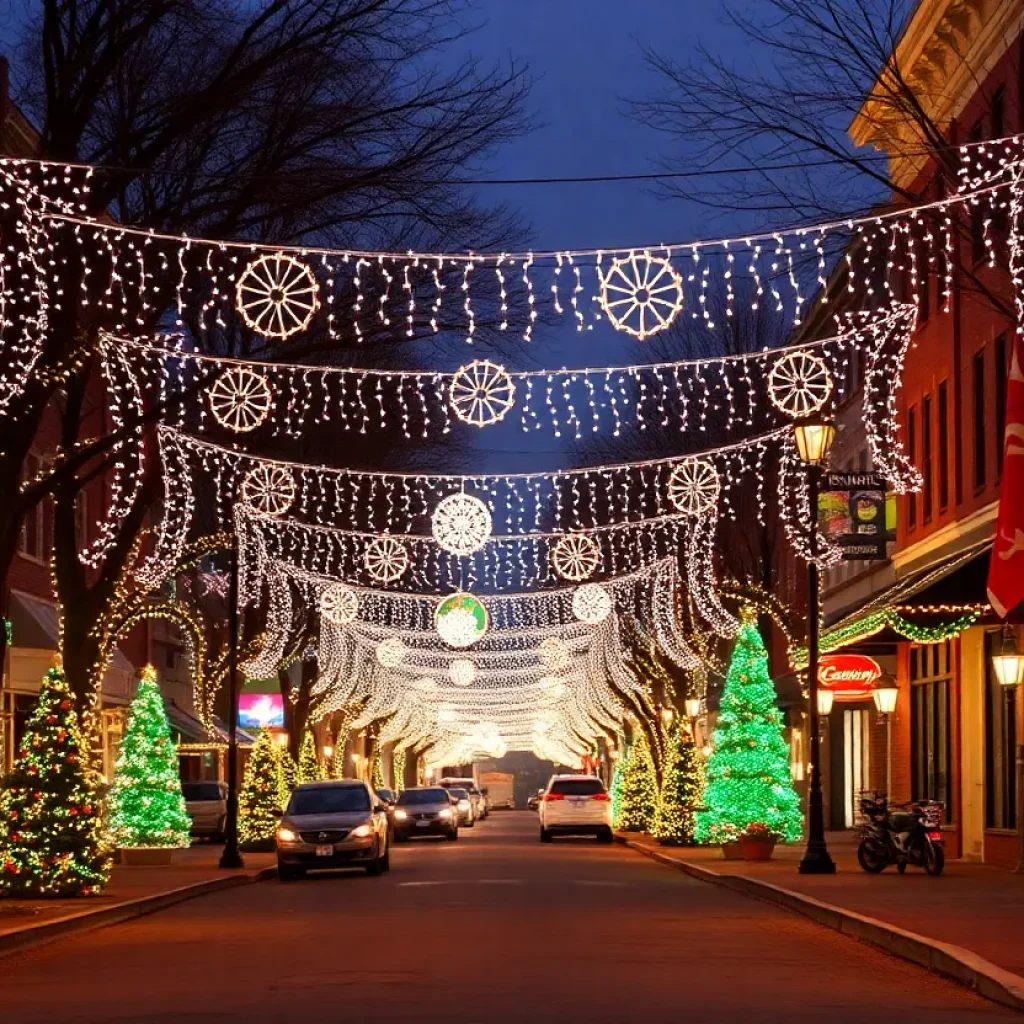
(146, 806)
(680, 792)
(748, 774)
(309, 766)
(51, 840)
(639, 788)
(260, 798)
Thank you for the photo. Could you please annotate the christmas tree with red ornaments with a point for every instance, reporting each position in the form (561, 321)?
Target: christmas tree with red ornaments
(51, 837)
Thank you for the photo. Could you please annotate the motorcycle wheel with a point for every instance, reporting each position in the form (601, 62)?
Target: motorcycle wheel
(871, 857)
(934, 859)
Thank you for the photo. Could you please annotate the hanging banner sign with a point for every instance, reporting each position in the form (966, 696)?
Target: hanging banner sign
(848, 676)
(856, 513)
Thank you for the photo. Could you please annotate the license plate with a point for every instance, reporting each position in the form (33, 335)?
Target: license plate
(324, 851)
(423, 824)
(577, 801)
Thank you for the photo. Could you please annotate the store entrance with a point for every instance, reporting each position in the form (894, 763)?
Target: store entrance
(856, 762)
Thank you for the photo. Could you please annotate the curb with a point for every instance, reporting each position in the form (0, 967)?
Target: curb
(50, 931)
(953, 962)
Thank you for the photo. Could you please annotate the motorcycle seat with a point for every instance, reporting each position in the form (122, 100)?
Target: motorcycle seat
(901, 821)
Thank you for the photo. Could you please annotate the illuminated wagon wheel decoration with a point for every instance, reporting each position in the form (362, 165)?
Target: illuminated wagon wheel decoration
(461, 619)
(240, 399)
(269, 489)
(277, 296)
(694, 486)
(482, 393)
(591, 603)
(799, 384)
(641, 294)
(339, 604)
(575, 557)
(386, 559)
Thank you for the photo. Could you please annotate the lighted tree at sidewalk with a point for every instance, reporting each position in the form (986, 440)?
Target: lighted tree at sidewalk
(639, 792)
(309, 766)
(680, 792)
(146, 805)
(287, 775)
(51, 841)
(748, 774)
(259, 799)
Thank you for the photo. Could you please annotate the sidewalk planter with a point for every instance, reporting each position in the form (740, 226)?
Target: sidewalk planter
(732, 851)
(756, 848)
(146, 856)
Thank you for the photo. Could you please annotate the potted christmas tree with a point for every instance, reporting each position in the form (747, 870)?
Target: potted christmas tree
(749, 800)
(147, 815)
(51, 840)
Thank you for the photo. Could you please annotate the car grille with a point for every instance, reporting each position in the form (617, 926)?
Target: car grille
(424, 816)
(325, 835)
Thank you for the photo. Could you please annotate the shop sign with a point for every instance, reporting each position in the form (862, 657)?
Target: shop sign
(849, 676)
(857, 514)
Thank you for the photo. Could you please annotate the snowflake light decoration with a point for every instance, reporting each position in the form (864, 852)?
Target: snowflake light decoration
(425, 685)
(799, 384)
(641, 294)
(461, 619)
(462, 671)
(386, 559)
(339, 604)
(391, 652)
(482, 393)
(694, 486)
(461, 524)
(553, 654)
(240, 399)
(591, 603)
(575, 557)
(269, 489)
(277, 295)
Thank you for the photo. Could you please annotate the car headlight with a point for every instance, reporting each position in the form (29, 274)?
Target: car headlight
(362, 831)
(400, 815)
(286, 835)
(463, 805)
(445, 813)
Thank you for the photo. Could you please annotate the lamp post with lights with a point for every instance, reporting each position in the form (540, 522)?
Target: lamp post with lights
(814, 436)
(885, 694)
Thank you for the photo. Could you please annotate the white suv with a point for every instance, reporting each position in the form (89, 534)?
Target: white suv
(575, 805)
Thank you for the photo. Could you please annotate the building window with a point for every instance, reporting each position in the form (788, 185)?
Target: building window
(34, 538)
(1000, 745)
(943, 412)
(978, 384)
(930, 723)
(926, 458)
(1002, 369)
(912, 455)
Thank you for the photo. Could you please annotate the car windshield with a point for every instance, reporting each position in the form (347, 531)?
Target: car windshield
(577, 787)
(422, 796)
(329, 800)
(459, 794)
(201, 791)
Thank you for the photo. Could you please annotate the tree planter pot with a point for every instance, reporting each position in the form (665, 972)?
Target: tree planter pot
(147, 856)
(756, 849)
(732, 851)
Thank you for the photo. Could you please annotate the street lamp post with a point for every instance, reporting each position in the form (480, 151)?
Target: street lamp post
(231, 856)
(814, 436)
(1008, 666)
(885, 695)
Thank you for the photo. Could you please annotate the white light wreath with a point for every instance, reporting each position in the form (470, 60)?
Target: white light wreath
(386, 559)
(240, 399)
(799, 384)
(277, 295)
(269, 489)
(694, 486)
(591, 603)
(462, 672)
(641, 294)
(575, 557)
(391, 652)
(461, 524)
(553, 654)
(339, 604)
(482, 393)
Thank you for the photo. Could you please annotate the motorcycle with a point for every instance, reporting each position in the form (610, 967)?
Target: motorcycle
(901, 837)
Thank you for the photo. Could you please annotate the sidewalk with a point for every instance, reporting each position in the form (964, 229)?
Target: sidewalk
(132, 891)
(973, 906)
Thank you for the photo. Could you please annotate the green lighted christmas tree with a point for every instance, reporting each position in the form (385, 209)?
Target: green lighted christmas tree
(146, 806)
(639, 788)
(616, 790)
(51, 838)
(748, 775)
(259, 798)
(680, 792)
(309, 766)
(287, 776)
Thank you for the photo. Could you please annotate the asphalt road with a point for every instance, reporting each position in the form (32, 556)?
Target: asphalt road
(495, 928)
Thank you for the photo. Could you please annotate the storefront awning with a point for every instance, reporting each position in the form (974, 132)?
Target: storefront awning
(188, 729)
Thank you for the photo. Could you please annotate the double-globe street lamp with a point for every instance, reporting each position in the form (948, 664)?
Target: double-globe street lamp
(814, 436)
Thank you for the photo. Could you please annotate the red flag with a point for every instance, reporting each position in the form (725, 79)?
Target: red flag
(1006, 570)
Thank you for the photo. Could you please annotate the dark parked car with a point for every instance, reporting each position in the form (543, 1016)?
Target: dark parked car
(425, 812)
